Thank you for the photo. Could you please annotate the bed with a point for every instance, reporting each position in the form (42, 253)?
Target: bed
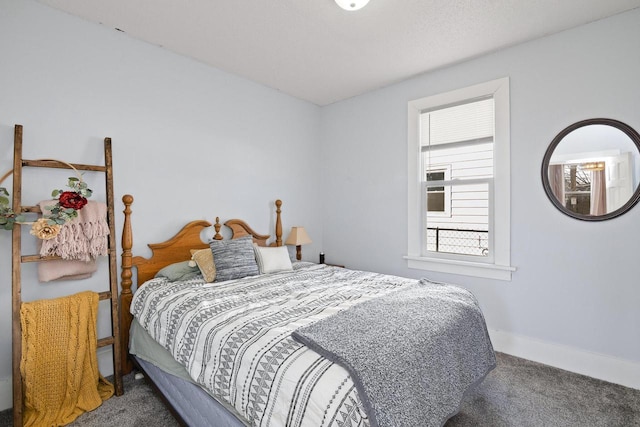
(284, 343)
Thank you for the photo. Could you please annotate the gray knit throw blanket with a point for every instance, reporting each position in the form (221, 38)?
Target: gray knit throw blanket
(413, 354)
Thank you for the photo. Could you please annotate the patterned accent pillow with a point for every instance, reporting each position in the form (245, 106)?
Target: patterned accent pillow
(204, 260)
(272, 259)
(234, 259)
(179, 271)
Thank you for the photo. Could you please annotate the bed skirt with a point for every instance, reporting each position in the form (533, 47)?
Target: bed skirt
(192, 404)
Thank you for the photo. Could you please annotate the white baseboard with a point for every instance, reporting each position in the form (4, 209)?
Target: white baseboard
(6, 393)
(600, 366)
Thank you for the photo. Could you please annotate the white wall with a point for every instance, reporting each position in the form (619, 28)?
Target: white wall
(189, 142)
(576, 289)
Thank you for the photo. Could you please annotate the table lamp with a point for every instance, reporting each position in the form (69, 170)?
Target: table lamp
(298, 237)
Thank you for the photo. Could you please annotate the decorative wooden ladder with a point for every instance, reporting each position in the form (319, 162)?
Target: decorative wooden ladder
(18, 259)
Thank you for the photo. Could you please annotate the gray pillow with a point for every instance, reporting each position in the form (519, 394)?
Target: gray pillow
(178, 271)
(292, 253)
(234, 259)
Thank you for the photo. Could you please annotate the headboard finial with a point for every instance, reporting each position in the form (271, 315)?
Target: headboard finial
(278, 223)
(217, 226)
(127, 243)
(126, 282)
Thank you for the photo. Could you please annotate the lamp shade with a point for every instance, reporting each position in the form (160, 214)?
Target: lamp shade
(352, 4)
(298, 237)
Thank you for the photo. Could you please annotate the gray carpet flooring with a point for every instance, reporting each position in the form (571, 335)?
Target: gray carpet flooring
(517, 393)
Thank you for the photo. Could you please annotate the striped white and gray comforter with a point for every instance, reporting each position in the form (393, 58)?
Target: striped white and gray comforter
(234, 338)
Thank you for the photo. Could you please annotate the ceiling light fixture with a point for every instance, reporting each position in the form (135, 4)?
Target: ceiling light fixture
(352, 4)
(593, 166)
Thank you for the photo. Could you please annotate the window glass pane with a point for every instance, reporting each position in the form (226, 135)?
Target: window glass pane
(577, 190)
(435, 176)
(460, 139)
(466, 230)
(435, 201)
(468, 161)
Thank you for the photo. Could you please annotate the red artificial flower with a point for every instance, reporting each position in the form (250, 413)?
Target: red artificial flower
(71, 199)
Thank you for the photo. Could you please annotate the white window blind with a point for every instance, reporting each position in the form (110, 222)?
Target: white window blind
(464, 122)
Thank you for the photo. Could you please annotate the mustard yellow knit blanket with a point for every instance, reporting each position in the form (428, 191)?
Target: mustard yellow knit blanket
(59, 364)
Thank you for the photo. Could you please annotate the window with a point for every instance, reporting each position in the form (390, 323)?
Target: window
(461, 136)
(438, 196)
(459, 181)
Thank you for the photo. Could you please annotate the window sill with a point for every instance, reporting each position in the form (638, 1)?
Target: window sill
(466, 268)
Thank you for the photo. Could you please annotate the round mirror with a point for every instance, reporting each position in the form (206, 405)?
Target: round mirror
(591, 170)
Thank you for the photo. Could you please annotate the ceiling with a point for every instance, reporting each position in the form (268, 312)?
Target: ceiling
(313, 50)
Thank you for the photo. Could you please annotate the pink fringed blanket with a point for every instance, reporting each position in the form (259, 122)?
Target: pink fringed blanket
(80, 242)
(66, 270)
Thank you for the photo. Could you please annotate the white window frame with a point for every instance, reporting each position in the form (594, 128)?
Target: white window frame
(499, 266)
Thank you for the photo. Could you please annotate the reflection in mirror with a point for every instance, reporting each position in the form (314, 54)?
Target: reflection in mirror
(591, 170)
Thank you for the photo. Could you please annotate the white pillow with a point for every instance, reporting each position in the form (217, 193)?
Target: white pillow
(272, 259)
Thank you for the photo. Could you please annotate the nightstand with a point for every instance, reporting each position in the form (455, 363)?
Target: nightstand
(332, 265)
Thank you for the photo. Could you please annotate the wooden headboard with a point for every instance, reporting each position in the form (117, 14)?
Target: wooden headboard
(174, 250)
